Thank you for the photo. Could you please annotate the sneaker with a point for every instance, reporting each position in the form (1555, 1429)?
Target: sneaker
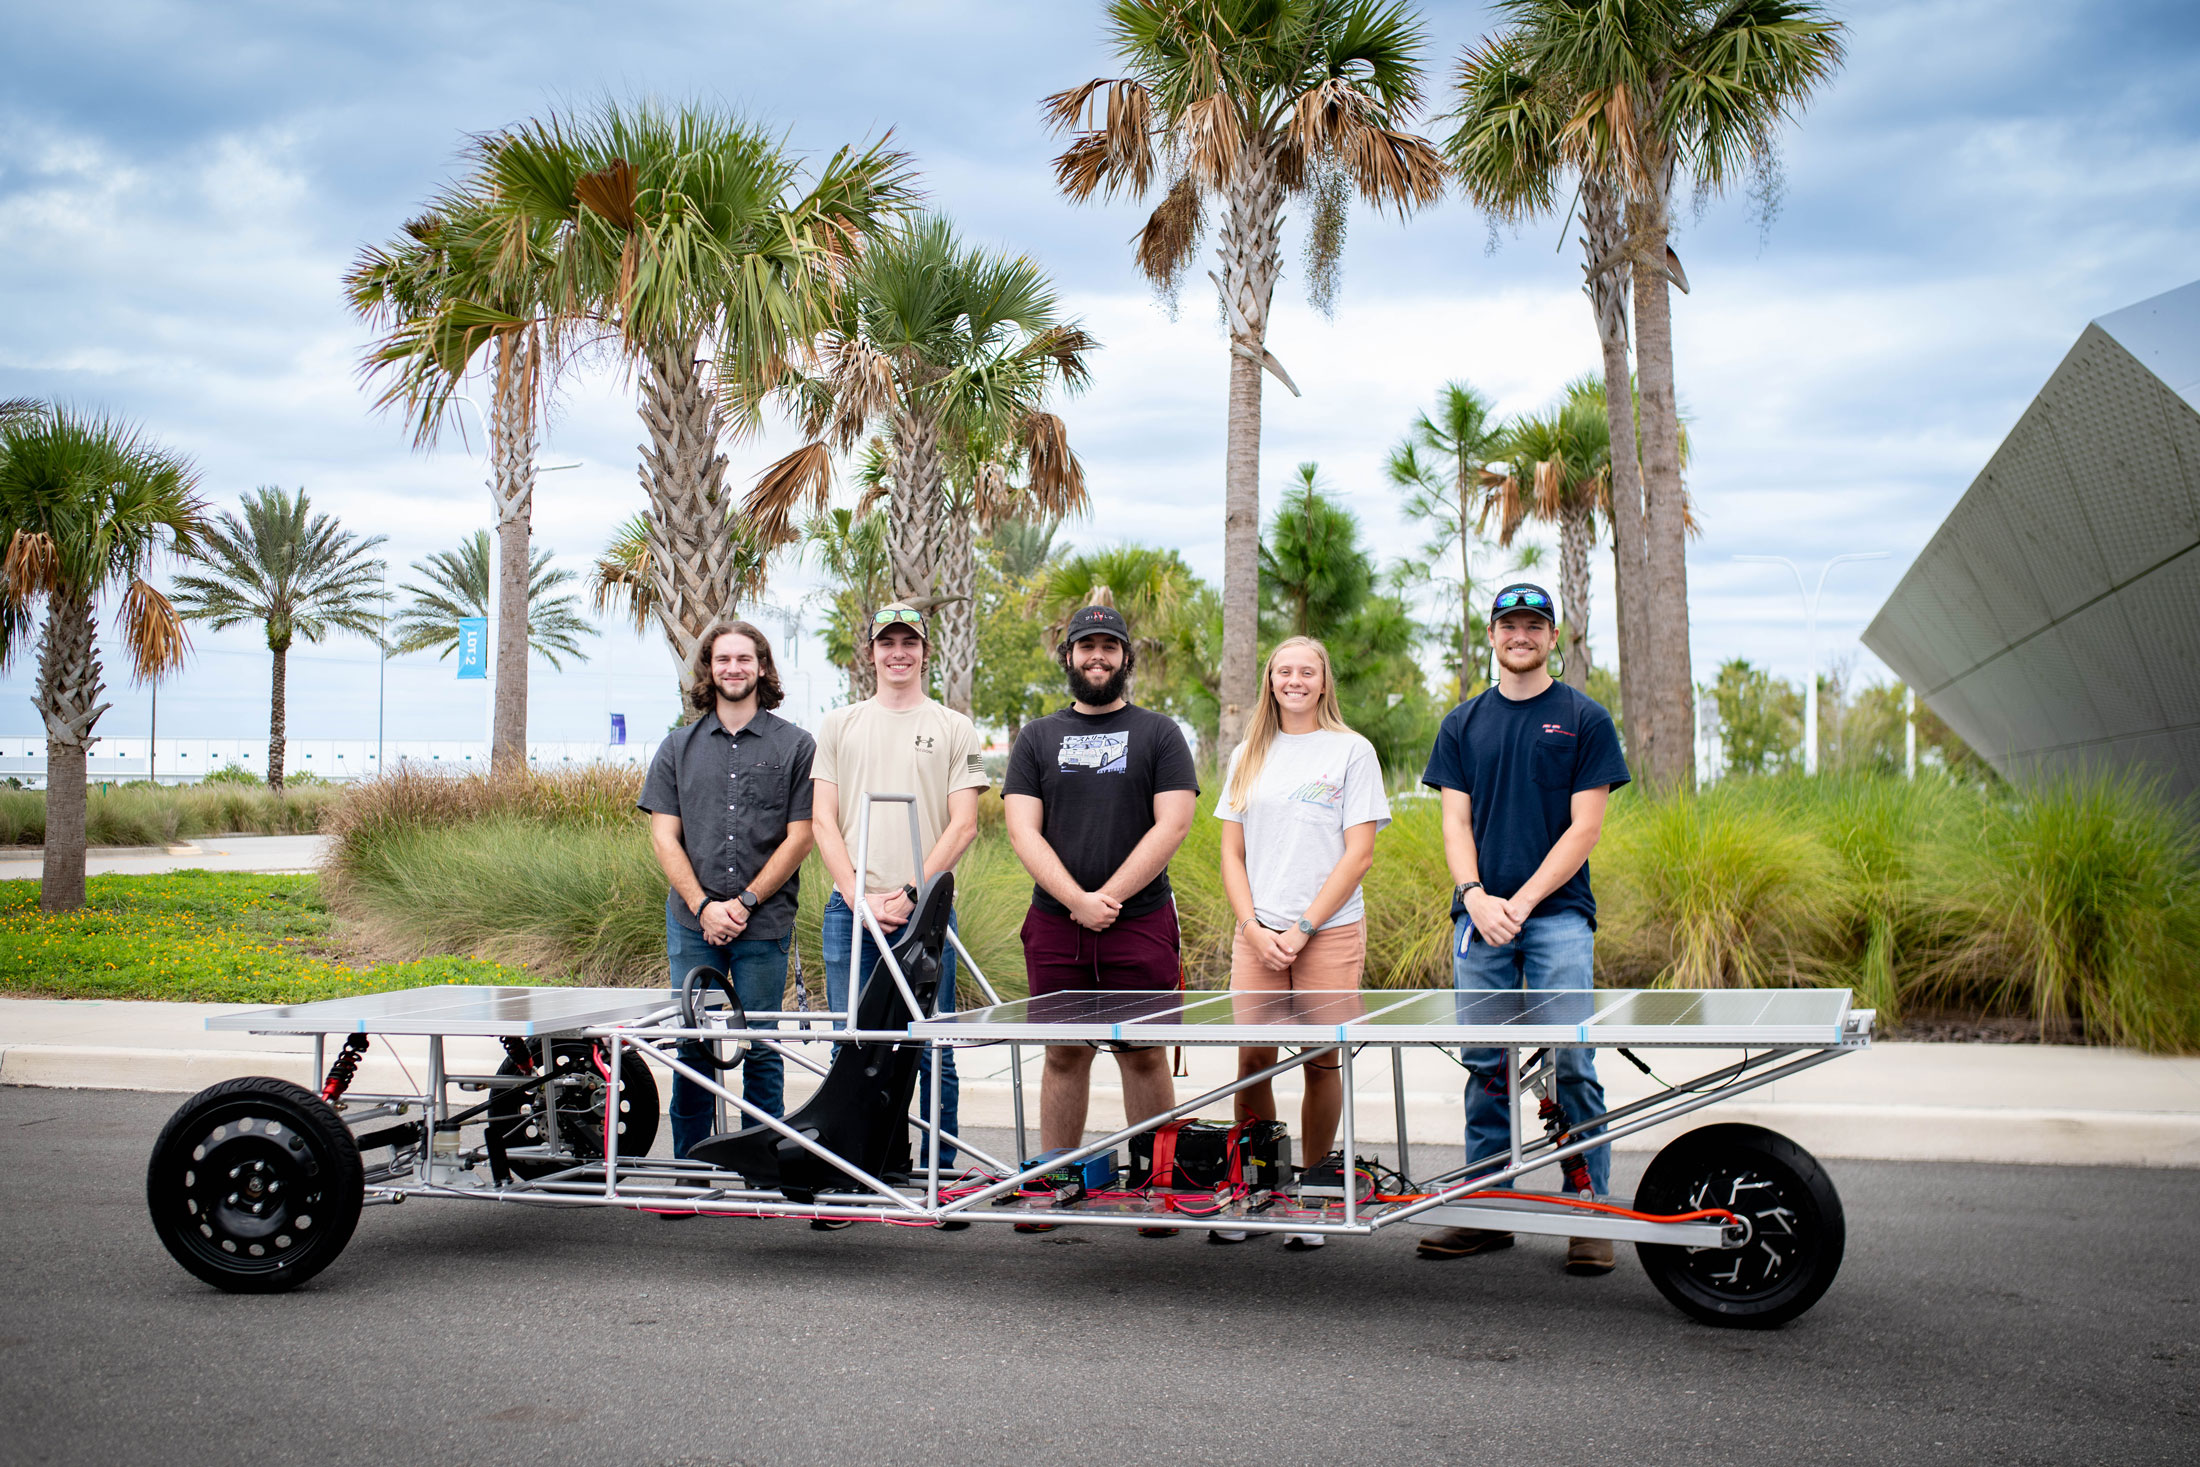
(1462, 1242)
(1227, 1235)
(954, 1224)
(675, 1216)
(830, 1224)
(1157, 1232)
(1589, 1256)
(1304, 1242)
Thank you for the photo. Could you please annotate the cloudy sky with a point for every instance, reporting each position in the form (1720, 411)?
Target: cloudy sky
(181, 187)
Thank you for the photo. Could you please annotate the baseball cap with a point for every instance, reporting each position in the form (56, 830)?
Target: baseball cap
(899, 614)
(1097, 621)
(1524, 596)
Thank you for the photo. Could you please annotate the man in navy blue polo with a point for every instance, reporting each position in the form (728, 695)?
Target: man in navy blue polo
(1525, 769)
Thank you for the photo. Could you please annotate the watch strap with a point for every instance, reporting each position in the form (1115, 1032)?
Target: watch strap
(749, 899)
(1306, 927)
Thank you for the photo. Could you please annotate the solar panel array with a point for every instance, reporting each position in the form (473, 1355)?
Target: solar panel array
(455, 1010)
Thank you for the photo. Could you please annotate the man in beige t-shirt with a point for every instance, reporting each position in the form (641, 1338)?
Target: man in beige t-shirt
(897, 742)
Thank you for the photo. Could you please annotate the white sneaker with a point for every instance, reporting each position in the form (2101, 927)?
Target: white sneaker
(1228, 1235)
(1304, 1242)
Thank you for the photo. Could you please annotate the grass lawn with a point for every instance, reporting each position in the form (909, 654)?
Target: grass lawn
(201, 936)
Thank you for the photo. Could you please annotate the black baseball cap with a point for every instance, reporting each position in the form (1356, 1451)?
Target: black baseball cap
(1524, 596)
(1103, 621)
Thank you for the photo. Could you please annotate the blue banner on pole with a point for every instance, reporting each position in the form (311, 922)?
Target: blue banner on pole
(473, 646)
(618, 728)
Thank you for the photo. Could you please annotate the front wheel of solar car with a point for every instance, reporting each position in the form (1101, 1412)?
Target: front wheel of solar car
(1792, 1227)
(255, 1185)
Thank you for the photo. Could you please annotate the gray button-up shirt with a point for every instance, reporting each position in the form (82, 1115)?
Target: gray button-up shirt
(735, 794)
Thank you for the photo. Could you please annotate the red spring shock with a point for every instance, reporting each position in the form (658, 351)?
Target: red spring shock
(347, 1065)
(1576, 1169)
(523, 1058)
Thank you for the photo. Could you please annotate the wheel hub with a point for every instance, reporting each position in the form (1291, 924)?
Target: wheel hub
(250, 1187)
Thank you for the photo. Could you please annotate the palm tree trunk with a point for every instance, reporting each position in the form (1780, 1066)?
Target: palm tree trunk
(1574, 525)
(912, 519)
(278, 714)
(1671, 691)
(1466, 585)
(512, 489)
(1606, 236)
(1250, 263)
(957, 569)
(68, 700)
(691, 553)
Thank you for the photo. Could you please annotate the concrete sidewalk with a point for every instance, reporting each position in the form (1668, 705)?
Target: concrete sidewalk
(2051, 1104)
(267, 854)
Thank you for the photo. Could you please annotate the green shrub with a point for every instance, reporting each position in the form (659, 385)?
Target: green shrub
(144, 814)
(232, 773)
(1716, 890)
(2077, 901)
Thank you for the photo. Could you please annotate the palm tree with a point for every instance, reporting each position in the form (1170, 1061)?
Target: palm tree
(458, 587)
(621, 583)
(1021, 547)
(295, 573)
(1557, 470)
(86, 502)
(1439, 467)
(850, 547)
(947, 353)
(1631, 97)
(1246, 104)
(1155, 591)
(686, 239)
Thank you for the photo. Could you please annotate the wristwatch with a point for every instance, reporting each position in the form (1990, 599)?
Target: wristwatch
(1306, 927)
(1459, 892)
(749, 899)
(909, 890)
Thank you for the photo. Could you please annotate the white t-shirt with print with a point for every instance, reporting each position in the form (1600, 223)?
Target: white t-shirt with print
(1310, 790)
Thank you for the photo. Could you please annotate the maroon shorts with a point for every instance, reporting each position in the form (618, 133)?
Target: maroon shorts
(1134, 952)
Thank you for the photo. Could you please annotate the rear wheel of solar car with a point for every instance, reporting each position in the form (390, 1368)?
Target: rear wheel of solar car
(254, 1185)
(516, 1116)
(1792, 1224)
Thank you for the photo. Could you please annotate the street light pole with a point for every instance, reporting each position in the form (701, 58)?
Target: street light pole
(1810, 639)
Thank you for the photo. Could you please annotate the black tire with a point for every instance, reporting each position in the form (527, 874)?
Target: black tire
(1792, 1213)
(516, 1115)
(255, 1185)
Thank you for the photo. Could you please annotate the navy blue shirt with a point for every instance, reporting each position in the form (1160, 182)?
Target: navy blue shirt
(1520, 764)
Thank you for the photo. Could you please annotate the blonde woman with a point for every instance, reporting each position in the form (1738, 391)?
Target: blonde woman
(1302, 803)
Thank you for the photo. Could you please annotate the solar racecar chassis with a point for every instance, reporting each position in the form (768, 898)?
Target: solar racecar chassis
(1736, 1225)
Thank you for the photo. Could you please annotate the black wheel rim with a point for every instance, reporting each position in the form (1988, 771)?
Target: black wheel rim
(252, 1190)
(1780, 1225)
(580, 1107)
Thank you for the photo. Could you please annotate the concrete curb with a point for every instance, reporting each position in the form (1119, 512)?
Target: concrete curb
(1882, 1131)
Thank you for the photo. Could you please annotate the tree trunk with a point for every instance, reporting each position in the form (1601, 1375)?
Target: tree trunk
(957, 569)
(512, 490)
(1574, 525)
(1467, 649)
(1671, 691)
(691, 552)
(1607, 236)
(1250, 263)
(67, 699)
(278, 714)
(913, 510)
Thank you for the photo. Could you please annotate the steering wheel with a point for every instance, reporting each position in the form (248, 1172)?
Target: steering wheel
(693, 989)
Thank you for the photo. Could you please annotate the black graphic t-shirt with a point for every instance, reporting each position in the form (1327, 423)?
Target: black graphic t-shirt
(1520, 765)
(1097, 774)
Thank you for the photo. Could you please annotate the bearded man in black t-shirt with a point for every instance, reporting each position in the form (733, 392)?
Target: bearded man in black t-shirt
(1099, 796)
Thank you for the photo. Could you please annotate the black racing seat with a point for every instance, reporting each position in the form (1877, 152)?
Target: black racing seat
(861, 1111)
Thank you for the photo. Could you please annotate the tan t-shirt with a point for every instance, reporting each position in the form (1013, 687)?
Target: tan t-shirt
(928, 751)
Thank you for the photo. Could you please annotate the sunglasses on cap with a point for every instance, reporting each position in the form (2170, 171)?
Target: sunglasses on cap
(1511, 599)
(902, 615)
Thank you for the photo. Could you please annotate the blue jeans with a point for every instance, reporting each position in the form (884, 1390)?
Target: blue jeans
(1557, 951)
(758, 968)
(839, 931)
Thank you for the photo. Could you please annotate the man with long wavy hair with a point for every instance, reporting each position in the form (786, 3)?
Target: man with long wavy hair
(729, 797)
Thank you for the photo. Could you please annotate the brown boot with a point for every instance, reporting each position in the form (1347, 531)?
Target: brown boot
(1460, 1242)
(1587, 1256)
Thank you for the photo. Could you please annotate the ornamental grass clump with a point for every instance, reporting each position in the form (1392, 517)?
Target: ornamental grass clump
(1715, 890)
(2077, 903)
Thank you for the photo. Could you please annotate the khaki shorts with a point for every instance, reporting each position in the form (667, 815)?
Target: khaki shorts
(1332, 959)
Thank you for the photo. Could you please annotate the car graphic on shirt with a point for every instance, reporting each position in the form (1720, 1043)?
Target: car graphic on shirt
(1100, 753)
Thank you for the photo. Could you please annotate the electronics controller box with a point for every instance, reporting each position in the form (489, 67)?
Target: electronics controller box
(1090, 1175)
(1204, 1156)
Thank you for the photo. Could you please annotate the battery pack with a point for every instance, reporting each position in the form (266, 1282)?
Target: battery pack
(1090, 1175)
(1204, 1155)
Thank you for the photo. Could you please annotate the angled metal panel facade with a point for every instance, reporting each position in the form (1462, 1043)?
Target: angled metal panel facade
(2054, 619)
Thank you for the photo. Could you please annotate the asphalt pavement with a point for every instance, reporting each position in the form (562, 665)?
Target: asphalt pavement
(1984, 1314)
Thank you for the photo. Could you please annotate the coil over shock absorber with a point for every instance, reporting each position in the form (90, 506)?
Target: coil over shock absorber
(523, 1058)
(346, 1066)
(1575, 1167)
